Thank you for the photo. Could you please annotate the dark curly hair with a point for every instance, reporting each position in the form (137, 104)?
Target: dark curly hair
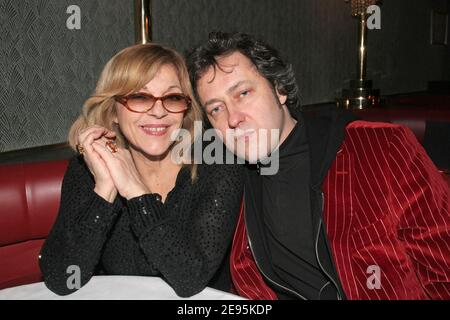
(265, 58)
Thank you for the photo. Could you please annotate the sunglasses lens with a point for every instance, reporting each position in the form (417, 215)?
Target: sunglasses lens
(140, 103)
(175, 102)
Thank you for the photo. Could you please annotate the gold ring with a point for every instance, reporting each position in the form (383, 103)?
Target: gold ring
(111, 146)
(80, 149)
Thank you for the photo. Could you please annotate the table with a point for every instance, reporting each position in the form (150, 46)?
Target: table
(113, 288)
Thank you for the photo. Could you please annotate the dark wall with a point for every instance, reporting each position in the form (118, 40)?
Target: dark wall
(319, 38)
(447, 72)
(315, 35)
(447, 75)
(47, 70)
(402, 58)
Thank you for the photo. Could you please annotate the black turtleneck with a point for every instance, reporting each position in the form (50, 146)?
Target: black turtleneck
(288, 217)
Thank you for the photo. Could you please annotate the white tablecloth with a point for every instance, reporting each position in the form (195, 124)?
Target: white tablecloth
(113, 288)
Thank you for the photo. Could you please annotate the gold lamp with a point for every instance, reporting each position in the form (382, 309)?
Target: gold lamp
(360, 95)
(142, 21)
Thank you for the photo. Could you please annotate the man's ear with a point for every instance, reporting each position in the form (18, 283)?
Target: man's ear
(282, 98)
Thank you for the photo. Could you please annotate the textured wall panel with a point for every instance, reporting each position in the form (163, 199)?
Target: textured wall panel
(47, 70)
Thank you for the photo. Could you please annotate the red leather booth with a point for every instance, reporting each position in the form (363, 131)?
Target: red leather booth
(29, 201)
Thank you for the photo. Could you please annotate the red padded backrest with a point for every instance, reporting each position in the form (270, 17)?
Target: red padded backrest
(29, 199)
(414, 118)
(29, 202)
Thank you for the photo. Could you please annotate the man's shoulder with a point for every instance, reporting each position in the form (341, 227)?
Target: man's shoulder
(368, 125)
(362, 128)
(363, 134)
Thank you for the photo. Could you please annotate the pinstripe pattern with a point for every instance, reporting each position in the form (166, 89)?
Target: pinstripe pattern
(247, 280)
(385, 205)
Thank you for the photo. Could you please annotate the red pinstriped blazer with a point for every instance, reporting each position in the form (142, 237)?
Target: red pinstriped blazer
(386, 205)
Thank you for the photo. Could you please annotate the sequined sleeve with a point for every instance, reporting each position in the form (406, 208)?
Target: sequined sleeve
(74, 244)
(188, 249)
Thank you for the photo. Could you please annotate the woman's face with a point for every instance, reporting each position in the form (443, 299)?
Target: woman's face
(150, 132)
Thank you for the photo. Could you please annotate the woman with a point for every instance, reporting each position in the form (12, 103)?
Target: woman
(126, 207)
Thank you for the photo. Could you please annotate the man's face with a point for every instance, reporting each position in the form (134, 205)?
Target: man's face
(243, 106)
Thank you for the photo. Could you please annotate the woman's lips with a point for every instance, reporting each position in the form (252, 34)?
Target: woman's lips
(155, 130)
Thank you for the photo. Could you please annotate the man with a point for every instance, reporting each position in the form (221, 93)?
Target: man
(356, 210)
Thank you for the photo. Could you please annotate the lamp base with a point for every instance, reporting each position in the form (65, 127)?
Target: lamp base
(360, 96)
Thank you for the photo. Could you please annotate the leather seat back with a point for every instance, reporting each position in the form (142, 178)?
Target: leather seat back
(29, 202)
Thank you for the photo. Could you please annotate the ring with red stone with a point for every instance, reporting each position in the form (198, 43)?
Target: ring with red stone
(111, 146)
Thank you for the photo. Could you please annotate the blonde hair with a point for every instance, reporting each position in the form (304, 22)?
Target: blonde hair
(128, 71)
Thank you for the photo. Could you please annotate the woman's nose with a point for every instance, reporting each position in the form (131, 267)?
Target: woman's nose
(158, 110)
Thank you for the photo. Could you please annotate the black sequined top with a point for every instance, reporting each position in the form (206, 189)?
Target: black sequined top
(183, 240)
